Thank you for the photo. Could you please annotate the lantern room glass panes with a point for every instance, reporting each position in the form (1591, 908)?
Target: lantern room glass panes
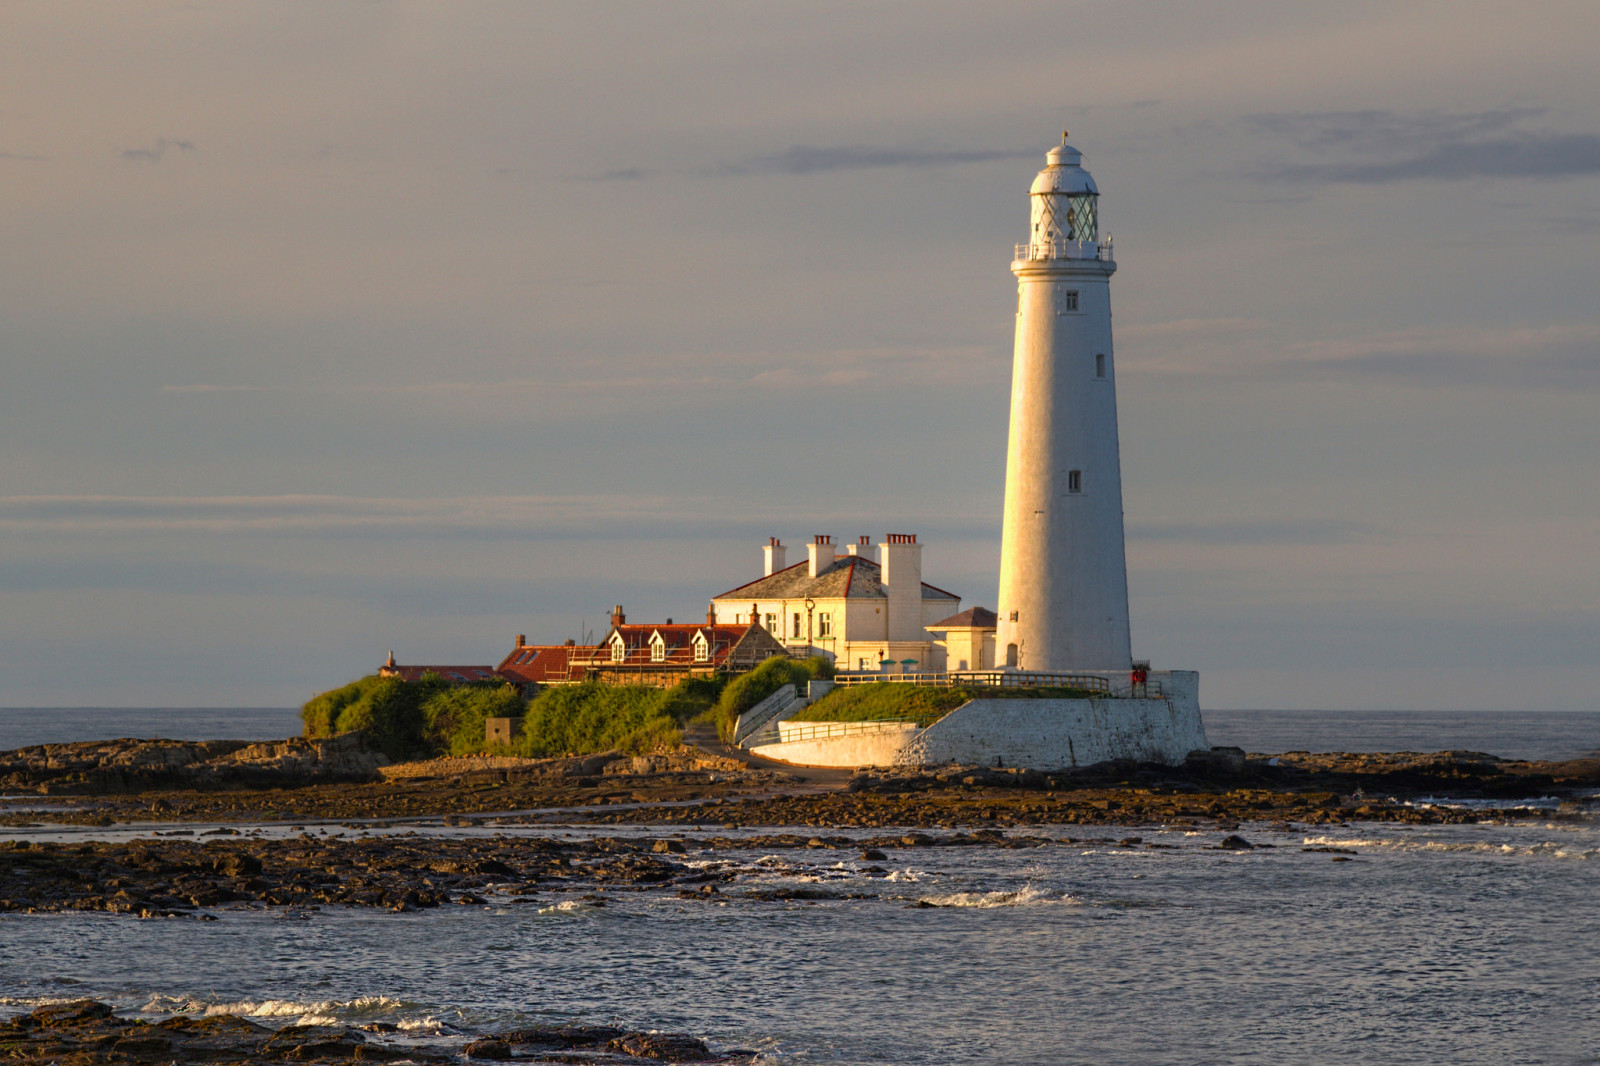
(1081, 224)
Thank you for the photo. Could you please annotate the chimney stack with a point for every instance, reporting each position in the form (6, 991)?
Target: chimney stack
(774, 553)
(711, 614)
(617, 617)
(901, 559)
(819, 554)
(862, 547)
(522, 640)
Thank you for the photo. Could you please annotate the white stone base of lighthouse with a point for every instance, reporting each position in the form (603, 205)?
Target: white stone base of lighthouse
(1038, 734)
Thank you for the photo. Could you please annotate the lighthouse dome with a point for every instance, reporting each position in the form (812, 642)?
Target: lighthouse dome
(1064, 173)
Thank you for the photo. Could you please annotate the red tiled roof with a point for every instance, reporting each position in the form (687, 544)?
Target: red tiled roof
(536, 663)
(678, 642)
(449, 673)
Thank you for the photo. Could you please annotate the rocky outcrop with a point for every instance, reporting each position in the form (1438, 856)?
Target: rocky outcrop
(132, 765)
(88, 1033)
(607, 763)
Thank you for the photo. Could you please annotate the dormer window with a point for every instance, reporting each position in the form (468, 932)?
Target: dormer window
(619, 650)
(702, 648)
(658, 648)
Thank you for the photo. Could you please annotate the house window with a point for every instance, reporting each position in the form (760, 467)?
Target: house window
(1100, 364)
(1066, 301)
(702, 650)
(1074, 480)
(658, 650)
(772, 624)
(824, 625)
(796, 632)
(618, 650)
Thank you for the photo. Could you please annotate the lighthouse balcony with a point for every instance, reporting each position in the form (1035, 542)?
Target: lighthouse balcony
(1064, 249)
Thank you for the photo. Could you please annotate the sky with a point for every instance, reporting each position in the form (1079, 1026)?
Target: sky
(330, 329)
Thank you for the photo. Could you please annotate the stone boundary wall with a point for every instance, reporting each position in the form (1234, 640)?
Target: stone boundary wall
(1037, 734)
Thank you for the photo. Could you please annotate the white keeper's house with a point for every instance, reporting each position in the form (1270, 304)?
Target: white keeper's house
(862, 612)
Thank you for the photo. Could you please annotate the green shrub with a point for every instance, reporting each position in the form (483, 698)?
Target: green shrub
(591, 717)
(454, 717)
(886, 700)
(410, 719)
(747, 690)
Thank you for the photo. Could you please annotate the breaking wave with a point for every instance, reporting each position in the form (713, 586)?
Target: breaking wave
(1021, 898)
(297, 1012)
(1547, 848)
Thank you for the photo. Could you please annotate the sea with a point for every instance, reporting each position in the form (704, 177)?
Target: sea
(1362, 943)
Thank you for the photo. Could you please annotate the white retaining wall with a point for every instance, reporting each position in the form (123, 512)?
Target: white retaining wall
(1040, 734)
(879, 747)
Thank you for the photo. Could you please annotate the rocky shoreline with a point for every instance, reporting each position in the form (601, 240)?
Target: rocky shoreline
(167, 781)
(89, 1033)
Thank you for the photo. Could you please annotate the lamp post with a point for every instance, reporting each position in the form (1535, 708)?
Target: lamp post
(810, 606)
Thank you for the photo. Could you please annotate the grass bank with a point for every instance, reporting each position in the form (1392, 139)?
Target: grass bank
(899, 701)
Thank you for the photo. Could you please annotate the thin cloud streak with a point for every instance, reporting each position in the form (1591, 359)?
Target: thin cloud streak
(806, 159)
(1383, 147)
(598, 517)
(1546, 358)
(154, 153)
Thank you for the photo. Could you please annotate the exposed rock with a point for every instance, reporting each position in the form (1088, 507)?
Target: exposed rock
(665, 1047)
(131, 765)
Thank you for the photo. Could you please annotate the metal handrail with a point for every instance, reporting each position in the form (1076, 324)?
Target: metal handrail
(825, 730)
(1065, 249)
(980, 679)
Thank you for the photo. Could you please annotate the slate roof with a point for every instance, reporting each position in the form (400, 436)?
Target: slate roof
(971, 618)
(850, 576)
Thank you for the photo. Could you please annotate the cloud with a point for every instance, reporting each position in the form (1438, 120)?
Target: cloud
(1381, 147)
(623, 174)
(1559, 358)
(598, 517)
(1251, 533)
(1555, 357)
(698, 374)
(17, 157)
(154, 153)
(804, 159)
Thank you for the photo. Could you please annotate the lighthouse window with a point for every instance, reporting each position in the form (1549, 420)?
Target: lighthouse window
(1074, 480)
(1100, 364)
(1066, 301)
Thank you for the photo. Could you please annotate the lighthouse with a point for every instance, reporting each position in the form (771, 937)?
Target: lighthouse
(1063, 602)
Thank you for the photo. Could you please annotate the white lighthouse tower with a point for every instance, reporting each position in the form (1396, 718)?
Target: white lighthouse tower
(1063, 602)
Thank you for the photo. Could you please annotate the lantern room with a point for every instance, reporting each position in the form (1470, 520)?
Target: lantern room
(1064, 200)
